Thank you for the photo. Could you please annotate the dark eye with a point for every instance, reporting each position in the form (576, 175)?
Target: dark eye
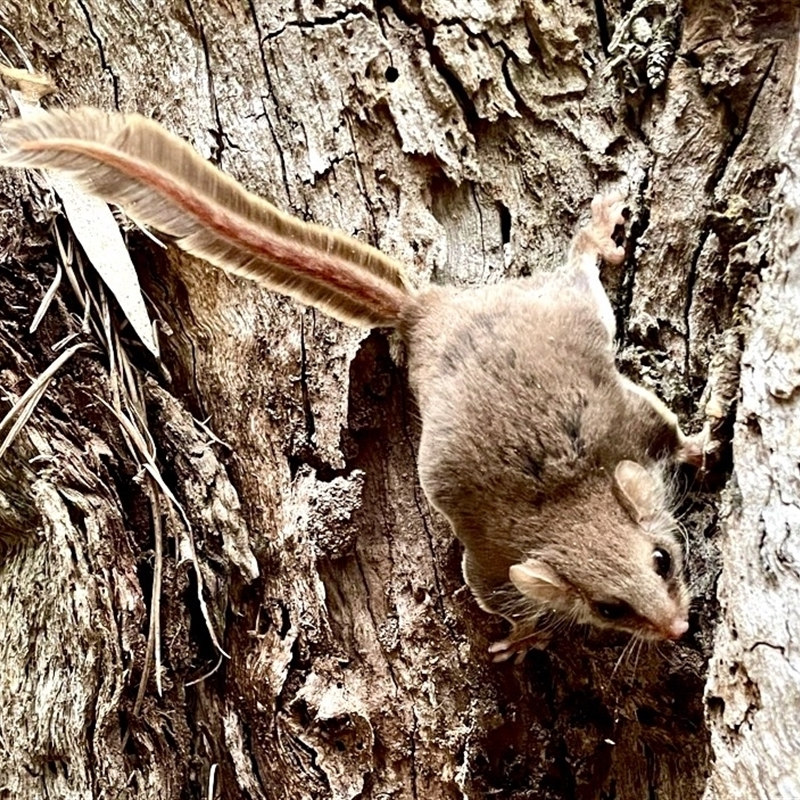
(662, 561)
(612, 611)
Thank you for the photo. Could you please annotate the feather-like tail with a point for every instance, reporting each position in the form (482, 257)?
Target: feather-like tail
(160, 181)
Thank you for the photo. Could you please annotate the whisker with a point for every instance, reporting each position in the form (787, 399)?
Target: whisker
(682, 529)
(626, 649)
(640, 644)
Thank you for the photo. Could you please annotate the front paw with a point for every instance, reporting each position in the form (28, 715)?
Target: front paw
(701, 450)
(517, 646)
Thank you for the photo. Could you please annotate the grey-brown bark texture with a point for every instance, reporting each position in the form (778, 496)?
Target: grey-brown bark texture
(463, 138)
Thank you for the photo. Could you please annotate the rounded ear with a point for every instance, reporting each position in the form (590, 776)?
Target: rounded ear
(537, 580)
(637, 491)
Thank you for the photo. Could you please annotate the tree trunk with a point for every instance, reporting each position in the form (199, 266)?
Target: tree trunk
(465, 139)
(753, 696)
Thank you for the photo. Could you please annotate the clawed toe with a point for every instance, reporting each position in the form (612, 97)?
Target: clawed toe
(614, 255)
(504, 650)
(517, 647)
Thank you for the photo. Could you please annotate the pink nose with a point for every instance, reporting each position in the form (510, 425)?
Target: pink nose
(677, 628)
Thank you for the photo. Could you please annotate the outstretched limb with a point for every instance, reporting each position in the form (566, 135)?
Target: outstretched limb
(595, 240)
(691, 449)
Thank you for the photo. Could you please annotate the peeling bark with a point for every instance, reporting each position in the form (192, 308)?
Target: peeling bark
(464, 139)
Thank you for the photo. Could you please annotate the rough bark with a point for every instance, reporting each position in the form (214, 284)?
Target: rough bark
(753, 696)
(464, 139)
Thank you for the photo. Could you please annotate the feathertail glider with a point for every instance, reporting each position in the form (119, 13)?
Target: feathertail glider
(160, 181)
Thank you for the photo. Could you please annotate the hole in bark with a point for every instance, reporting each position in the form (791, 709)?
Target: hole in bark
(301, 713)
(264, 623)
(647, 715)
(391, 74)
(286, 622)
(505, 223)
(752, 423)
(716, 705)
(144, 572)
(130, 741)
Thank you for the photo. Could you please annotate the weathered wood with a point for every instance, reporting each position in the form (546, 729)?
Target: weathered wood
(465, 140)
(753, 696)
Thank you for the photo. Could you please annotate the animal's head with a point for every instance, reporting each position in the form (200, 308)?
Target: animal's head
(619, 566)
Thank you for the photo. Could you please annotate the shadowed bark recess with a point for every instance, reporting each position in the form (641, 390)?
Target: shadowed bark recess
(466, 140)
